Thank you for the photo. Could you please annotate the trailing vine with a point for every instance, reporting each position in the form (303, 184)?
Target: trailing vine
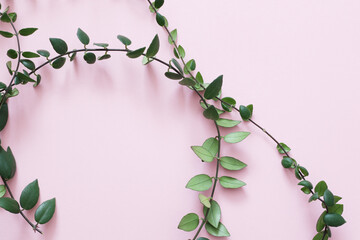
(209, 98)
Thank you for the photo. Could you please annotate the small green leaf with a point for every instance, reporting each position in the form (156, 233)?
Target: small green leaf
(321, 187)
(220, 231)
(246, 112)
(6, 34)
(287, 162)
(337, 208)
(320, 224)
(228, 123)
(27, 31)
(83, 37)
(103, 57)
(13, 16)
(124, 40)
(297, 173)
(24, 78)
(173, 76)
(28, 64)
(90, 57)
(202, 238)
(211, 113)
(136, 53)
(190, 66)
(236, 137)
(189, 222)
(211, 145)
(201, 182)
(30, 55)
(187, 82)
(7, 163)
(181, 51)
(147, 60)
(59, 45)
(30, 195)
(334, 220)
(2, 86)
(227, 103)
(203, 199)
(72, 56)
(5, 17)
(103, 45)
(320, 236)
(4, 114)
(8, 66)
(11, 53)
(306, 183)
(304, 171)
(45, 211)
(152, 7)
(2, 190)
(160, 19)
(329, 198)
(154, 47)
(158, 3)
(43, 53)
(230, 182)
(306, 190)
(13, 93)
(10, 205)
(177, 65)
(58, 63)
(199, 78)
(286, 148)
(231, 163)
(214, 88)
(314, 197)
(203, 153)
(173, 36)
(214, 214)
(38, 80)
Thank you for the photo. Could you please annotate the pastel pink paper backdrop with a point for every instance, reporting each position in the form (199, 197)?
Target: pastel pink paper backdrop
(112, 141)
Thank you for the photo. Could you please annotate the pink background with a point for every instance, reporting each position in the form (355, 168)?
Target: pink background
(112, 141)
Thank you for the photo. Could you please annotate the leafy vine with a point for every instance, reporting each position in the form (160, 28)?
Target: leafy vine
(210, 150)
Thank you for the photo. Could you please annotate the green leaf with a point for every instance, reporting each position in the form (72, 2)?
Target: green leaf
(199, 78)
(287, 162)
(306, 183)
(337, 208)
(2, 86)
(2, 190)
(228, 123)
(83, 37)
(30, 195)
(11, 53)
(147, 60)
(6, 34)
(154, 47)
(214, 88)
(124, 40)
(152, 7)
(321, 187)
(286, 148)
(30, 55)
(158, 3)
(202, 238)
(306, 190)
(27, 31)
(320, 236)
(177, 65)
(203, 153)
(5, 17)
(13, 93)
(24, 78)
(7, 163)
(230, 182)
(28, 64)
(13, 16)
(10, 205)
(45, 211)
(38, 80)
(236, 137)
(173, 76)
(8, 66)
(304, 171)
(160, 19)
(190, 66)
(136, 53)
(43, 53)
(320, 224)
(204, 200)
(314, 197)
(214, 214)
(90, 57)
(173, 34)
(181, 51)
(58, 63)
(329, 198)
(211, 113)
(4, 114)
(334, 220)
(187, 82)
(103, 45)
(201, 182)
(297, 173)
(103, 57)
(72, 57)
(59, 45)
(211, 145)
(227, 103)
(189, 222)
(231, 163)
(220, 231)
(246, 112)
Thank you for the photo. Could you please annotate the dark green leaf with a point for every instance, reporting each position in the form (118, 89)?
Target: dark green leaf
(103, 57)
(83, 37)
(136, 53)
(320, 188)
(90, 58)
(304, 171)
(201, 182)
(38, 80)
(286, 148)
(30, 195)
(2, 190)
(30, 55)
(297, 173)
(158, 3)
(9, 205)
(6, 34)
(229, 182)
(214, 88)
(2, 86)
(4, 114)
(334, 219)
(12, 53)
(337, 208)
(43, 53)
(329, 198)
(189, 222)
(8, 66)
(220, 231)
(187, 82)
(5, 17)
(45, 211)
(306, 183)
(59, 45)
(320, 236)
(13, 93)
(199, 78)
(211, 145)
(177, 65)
(173, 76)
(28, 64)
(246, 112)
(104, 45)
(231, 163)
(227, 103)
(27, 31)
(173, 36)
(160, 19)
(24, 78)
(72, 57)
(228, 123)
(190, 66)
(314, 197)
(58, 63)
(154, 47)
(236, 137)
(214, 214)
(306, 190)
(203, 153)
(7, 163)
(124, 40)
(320, 224)
(211, 113)
(13, 16)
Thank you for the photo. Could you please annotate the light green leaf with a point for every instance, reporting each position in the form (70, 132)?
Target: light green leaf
(181, 51)
(329, 198)
(30, 195)
(220, 231)
(189, 222)
(124, 40)
(177, 65)
(286, 148)
(203, 153)
(2, 190)
(236, 137)
(228, 123)
(214, 214)
(201, 182)
(204, 200)
(320, 236)
(314, 197)
(202, 238)
(27, 31)
(173, 34)
(58, 63)
(9, 205)
(214, 88)
(103, 45)
(229, 182)
(83, 37)
(334, 220)
(154, 47)
(189, 66)
(4, 115)
(321, 187)
(231, 163)
(7, 163)
(211, 113)
(212, 145)
(45, 211)
(59, 45)
(337, 208)
(136, 53)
